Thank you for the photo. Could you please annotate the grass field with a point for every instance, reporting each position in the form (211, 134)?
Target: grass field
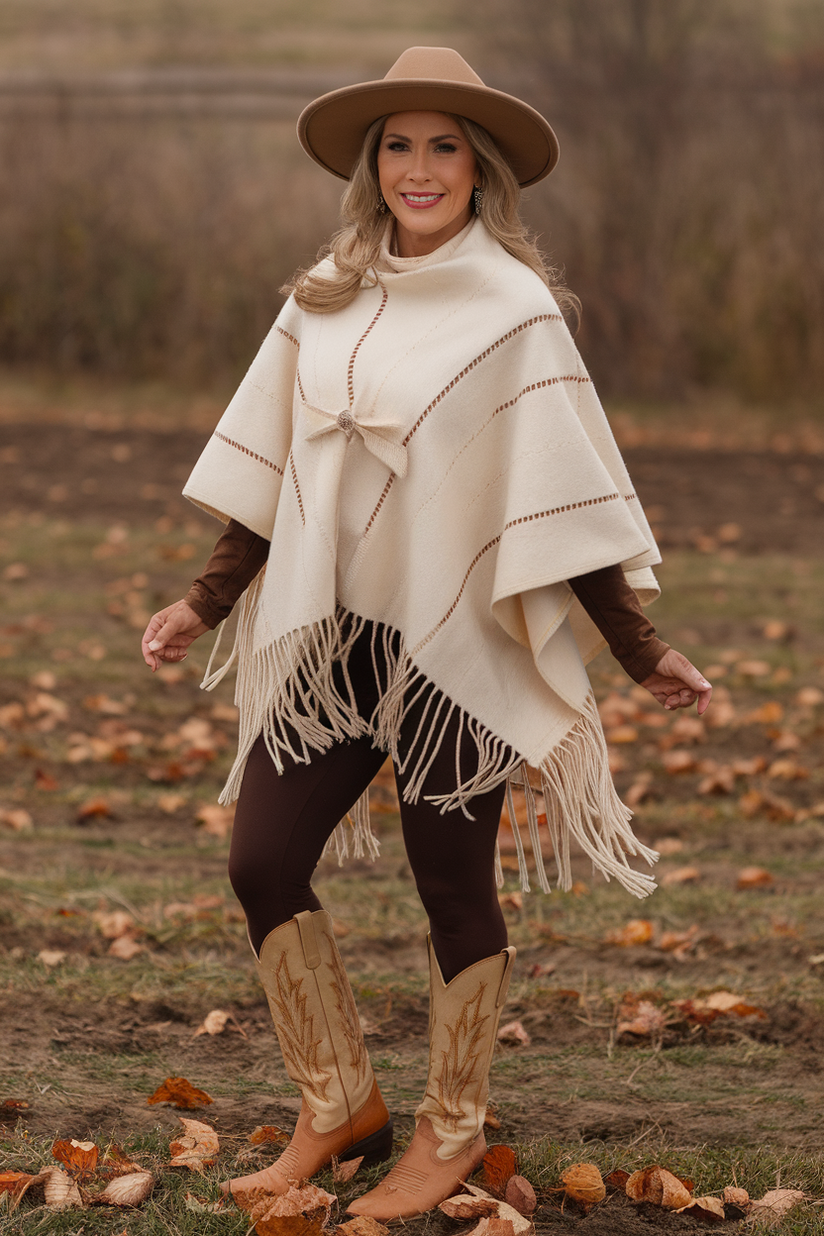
(119, 933)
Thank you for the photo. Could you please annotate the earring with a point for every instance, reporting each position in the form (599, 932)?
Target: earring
(477, 198)
(380, 205)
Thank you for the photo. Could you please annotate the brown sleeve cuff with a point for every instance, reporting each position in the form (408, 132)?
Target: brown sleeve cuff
(236, 559)
(616, 611)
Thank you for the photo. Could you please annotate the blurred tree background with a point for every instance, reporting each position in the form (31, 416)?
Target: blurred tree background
(154, 196)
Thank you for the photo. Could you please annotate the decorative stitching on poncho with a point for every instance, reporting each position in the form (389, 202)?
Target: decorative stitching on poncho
(297, 488)
(286, 335)
(350, 373)
(240, 447)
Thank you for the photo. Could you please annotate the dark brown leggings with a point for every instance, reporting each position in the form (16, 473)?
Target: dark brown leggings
(283, 822)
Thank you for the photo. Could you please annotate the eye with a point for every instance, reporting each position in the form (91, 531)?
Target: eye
(396, 145)
(446, 147)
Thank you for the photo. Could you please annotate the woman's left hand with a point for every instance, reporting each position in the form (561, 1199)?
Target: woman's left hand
(676, 683)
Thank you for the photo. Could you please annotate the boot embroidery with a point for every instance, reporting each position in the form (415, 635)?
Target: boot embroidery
(296, 1029)
(349, 1023)
(459, 1063)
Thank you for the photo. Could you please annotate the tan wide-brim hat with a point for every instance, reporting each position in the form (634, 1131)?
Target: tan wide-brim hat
(433, 79)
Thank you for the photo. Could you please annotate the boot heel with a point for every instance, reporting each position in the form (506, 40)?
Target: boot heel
(374, 1148)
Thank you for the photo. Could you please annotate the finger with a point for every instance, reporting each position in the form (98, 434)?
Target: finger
(166, 632)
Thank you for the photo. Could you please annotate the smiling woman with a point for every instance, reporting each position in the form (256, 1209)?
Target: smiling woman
(427, 171)
(418, 459)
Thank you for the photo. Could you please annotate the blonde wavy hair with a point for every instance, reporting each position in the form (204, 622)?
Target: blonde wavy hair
(356, 246)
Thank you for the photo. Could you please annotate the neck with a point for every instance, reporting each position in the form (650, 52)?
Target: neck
(411, 244)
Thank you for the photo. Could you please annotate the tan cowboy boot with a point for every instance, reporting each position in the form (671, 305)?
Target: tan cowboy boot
(316, 1021)
(448, 1143)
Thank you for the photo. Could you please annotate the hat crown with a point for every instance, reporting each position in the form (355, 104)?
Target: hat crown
(436, 64)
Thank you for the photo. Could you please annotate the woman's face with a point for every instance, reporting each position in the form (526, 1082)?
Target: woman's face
(427, 170)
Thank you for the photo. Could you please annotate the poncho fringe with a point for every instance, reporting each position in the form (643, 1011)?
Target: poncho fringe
(291, 698)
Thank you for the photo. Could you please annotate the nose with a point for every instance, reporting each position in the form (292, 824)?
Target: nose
(419, 171)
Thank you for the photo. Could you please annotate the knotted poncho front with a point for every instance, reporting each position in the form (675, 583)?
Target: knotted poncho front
(433, 459)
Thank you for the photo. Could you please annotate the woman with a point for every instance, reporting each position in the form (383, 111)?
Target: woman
(419, 461)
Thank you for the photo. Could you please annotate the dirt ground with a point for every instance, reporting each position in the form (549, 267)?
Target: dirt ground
(751, 1079)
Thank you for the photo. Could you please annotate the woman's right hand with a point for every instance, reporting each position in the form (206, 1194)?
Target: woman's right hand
(169, 634)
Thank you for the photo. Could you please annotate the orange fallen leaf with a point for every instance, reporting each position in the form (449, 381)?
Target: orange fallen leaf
(491, 1121)
(520, 1224)
(16, 818)
(678, 761)
(45, 781)
(768, 714)
(499, 1166)
(289, 1225)
(620, 734)
(305, 1201)
(93, 808)
(642, 1018)
(584, 1184)
(810, 697)
(617, 1179)
(658, 1185)
(754, 877)
(266, 1133)
(680, 875)
(180, 1093)
(636, 931)
(720, 781)
(344, 1171)
(79, 1158)
(493, 1225)
(198, 1146)
(361, 1225)
(14, 1182)
(707, 1209)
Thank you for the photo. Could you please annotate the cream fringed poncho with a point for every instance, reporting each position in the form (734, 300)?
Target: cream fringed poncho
(433, 459)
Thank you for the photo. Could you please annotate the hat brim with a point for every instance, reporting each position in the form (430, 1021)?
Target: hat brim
(332, 128)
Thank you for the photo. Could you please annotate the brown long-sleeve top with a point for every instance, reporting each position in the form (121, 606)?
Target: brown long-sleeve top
(606, 596)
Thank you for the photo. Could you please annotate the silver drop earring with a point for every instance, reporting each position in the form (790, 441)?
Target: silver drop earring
(477, 198)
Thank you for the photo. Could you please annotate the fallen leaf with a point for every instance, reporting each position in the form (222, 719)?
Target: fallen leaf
(180, 1093)
(59, 1188)
(125, 948)
(708, 1209)
(753, 669)
(636, 931)
(113, 923)
(520, 1195)
(45, 781)
(494, 1225)
(16, 818)
(491, 1121)
(499, 1166)
(170, 803)
(584, 1184)
(735, 1196)
(640, 789)
(204, 1208)
(768, 714)
(128, 1190)
(94, 808)
(14, 1182)
(680, 875)
(300, 1201)
(720, 781)
(266, 1133)
(51, 956)
(463, 1208)
(513, 1032)
(216, 820)
(79, 1158)
(810, 697)
(198, 1146)
(361, 1225)
(658, 1185)
(622, 734)
(787, 770)
(774, 1205)
(678, 761)
(520, 1223)
(344, 1171)
(679, 943)
(213, 1023)
(754, 877)
(644, 1018)
(289, 1225)
(617, 1180)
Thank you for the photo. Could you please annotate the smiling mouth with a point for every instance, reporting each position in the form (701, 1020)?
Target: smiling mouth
(419, 200)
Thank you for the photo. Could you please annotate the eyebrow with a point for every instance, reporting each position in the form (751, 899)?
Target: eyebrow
(455, 137)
